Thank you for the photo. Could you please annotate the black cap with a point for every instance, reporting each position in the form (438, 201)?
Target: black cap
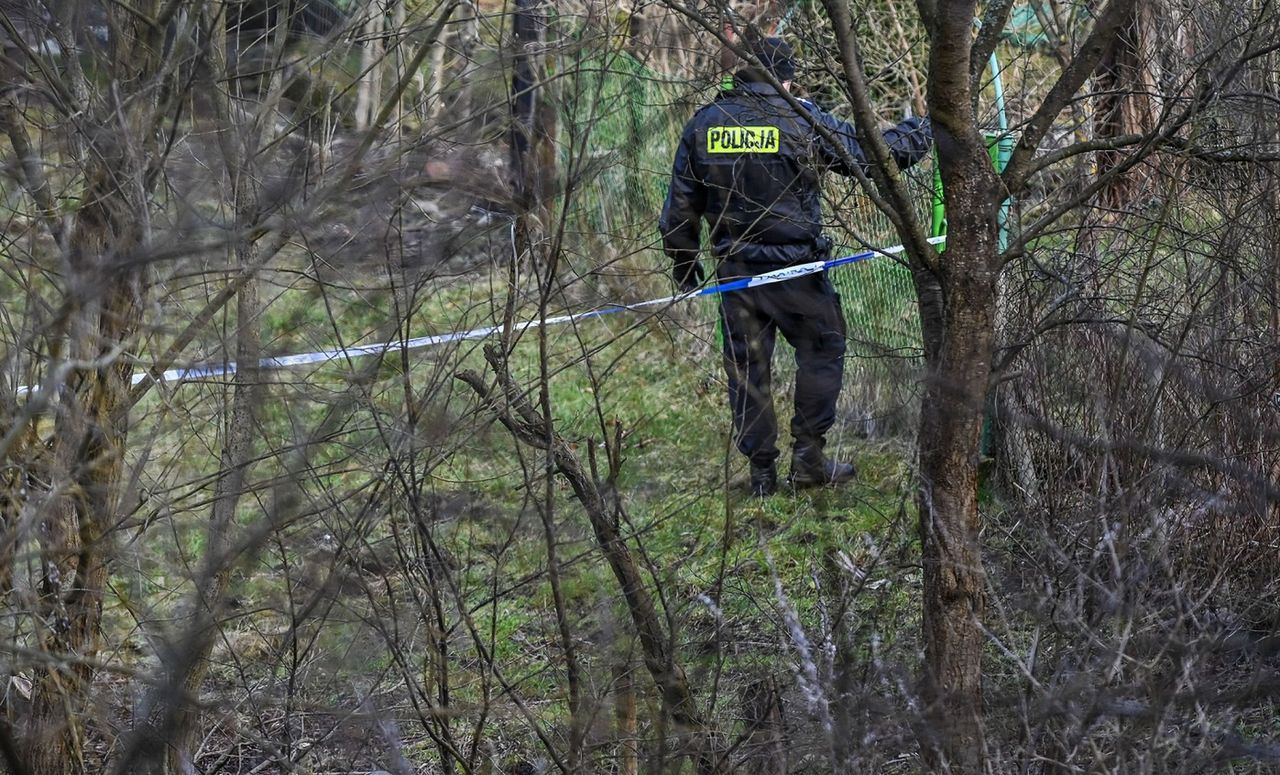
(776, 57)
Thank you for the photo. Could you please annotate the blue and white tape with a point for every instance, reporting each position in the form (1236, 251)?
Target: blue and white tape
(207, 371)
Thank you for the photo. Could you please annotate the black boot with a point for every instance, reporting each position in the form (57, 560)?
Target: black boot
(811, 468)
(764, 479)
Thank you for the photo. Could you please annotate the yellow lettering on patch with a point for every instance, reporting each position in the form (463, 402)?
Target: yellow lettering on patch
(743, 139)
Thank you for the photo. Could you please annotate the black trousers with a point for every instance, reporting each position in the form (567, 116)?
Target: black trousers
(807, 312)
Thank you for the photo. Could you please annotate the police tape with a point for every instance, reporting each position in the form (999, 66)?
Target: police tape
(209, 371)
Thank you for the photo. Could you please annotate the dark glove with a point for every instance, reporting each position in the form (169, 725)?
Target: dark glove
(688, 275)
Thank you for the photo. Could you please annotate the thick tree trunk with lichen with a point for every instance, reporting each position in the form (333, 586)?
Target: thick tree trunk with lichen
(88, 455)
(106, 284)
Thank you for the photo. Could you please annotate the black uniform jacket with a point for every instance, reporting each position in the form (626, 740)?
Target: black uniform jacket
(751, 164)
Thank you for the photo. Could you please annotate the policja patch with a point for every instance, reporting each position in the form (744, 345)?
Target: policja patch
(743, 139)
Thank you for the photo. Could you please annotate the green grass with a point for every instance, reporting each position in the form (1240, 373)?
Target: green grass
(682, 488)
(703, 537)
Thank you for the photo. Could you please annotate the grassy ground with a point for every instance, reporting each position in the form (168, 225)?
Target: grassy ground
(334, 613)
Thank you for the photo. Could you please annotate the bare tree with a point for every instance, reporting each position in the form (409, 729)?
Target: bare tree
(958, 295)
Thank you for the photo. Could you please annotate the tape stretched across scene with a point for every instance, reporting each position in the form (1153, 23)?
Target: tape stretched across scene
(359, 351)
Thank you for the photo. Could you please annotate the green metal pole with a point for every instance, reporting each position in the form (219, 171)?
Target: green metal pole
(1000, 148)
(938, 223)
(1003, 149)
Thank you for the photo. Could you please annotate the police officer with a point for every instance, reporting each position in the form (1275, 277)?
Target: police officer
(751, 165)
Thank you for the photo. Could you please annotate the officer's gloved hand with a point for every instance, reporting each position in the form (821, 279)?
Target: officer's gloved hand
(689, 276)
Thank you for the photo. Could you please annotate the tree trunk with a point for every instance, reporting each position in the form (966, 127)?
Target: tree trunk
(959, 335)
(165, 745)
(398, 64)
(107, 264)
(533, 129)
(192, 658)
(627, 731)
(1127, 101)
(950, 433)
(89, 443)
(369, 91)
(433, 101)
